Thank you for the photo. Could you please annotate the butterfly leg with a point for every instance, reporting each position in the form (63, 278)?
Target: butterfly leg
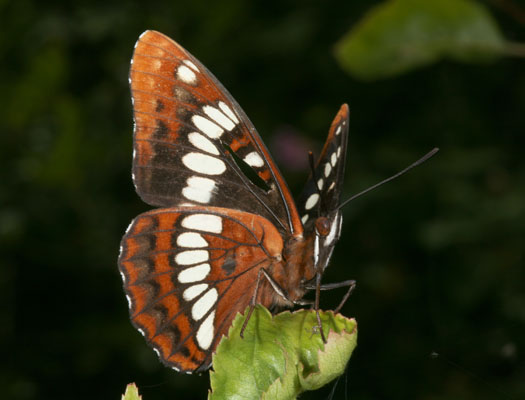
(316, 304)
(351, 286)
(278, 289)
(330, 286)
(318, 287)
(304, 303)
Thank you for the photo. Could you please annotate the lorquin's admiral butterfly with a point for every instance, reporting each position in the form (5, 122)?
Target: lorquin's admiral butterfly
(221, 240)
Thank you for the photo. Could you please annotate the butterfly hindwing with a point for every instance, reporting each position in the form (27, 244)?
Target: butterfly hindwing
(186, 128)
(188, 271)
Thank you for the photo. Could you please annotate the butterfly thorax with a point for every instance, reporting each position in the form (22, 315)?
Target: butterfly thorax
(296, 268)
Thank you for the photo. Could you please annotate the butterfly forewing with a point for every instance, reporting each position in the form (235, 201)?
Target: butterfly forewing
(321, 193)
(186, 126)
(188, 271)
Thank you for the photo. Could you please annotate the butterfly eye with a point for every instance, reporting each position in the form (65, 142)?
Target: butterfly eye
(322, 226)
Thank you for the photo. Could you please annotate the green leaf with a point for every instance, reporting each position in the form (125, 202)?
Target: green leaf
(281, 356)
(132, 393)
(400, 35)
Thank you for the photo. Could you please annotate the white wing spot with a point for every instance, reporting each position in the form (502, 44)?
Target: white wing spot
(138, 40)
(216, 115)
(189, 257)
(304, 218)
(253, 159)
(311, 201)
(204, 304)
(194, 274)
(333, 159)
(199, 189)
(186, 75)
(205, 332)
(203, 222)
(320, 183)
(338, 151)
(327, 169)
(129, 227)
(331, 186)
(193, 291)
(204, 164)
(228, 111)
(191, 239)
(207, 127)
(122, 275)
(338, 130)
(191, 65)
(202, 143)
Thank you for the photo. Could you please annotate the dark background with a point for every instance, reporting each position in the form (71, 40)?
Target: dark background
(438, 254)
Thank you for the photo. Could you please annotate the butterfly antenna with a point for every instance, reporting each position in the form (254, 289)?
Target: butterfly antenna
(415, 164)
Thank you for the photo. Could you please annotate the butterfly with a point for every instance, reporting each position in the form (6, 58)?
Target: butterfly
(227, 233)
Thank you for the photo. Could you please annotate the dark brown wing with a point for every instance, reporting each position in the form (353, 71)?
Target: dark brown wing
(321, 193)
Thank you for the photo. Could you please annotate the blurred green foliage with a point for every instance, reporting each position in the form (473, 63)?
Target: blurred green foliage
(438, 255)
(399, 35)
